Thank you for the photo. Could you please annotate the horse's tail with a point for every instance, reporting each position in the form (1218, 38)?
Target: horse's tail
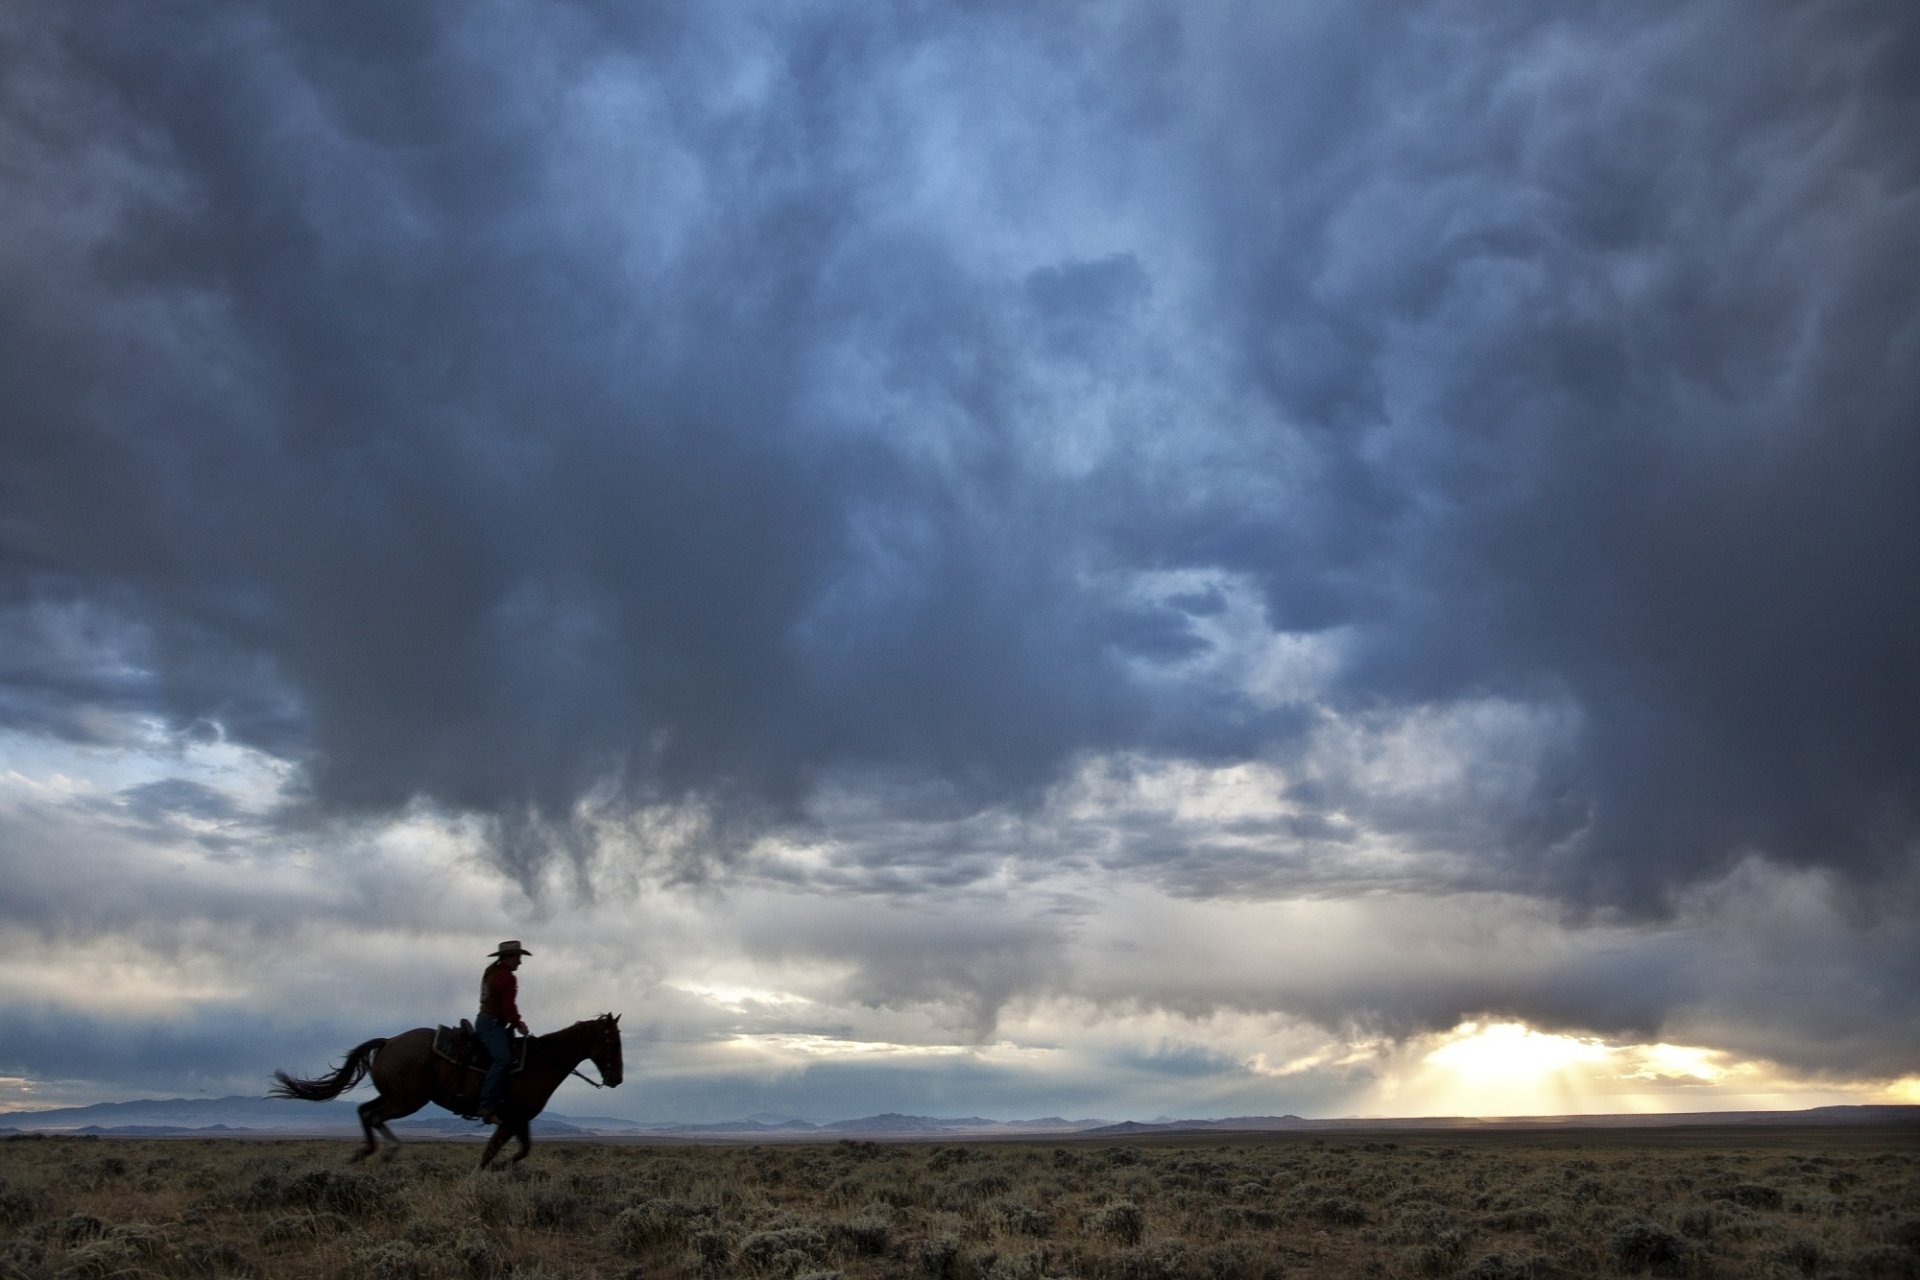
(328, 1086)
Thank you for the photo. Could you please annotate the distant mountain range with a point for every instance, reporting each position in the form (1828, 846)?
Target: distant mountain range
(240, 1116)
(273, 1117)
(1838, 1115)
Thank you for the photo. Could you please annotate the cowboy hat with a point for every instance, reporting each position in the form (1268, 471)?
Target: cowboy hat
(512, 947)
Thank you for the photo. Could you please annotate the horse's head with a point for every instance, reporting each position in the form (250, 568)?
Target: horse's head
(604, 1048)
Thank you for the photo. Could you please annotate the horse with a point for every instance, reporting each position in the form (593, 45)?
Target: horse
(408, 1075)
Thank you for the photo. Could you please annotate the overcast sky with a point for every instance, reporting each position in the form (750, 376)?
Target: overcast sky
(1099, 559)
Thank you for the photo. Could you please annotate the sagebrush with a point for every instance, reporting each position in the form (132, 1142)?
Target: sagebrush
(1481, 1207)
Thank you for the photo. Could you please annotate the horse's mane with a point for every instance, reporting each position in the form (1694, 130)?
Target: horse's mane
(569, 1035)
(594, 1021)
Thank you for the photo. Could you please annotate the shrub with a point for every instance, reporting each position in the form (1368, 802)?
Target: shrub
(350, 1193)
(73, 1229)
(1589, 1191)
(1442, 1241)
(712, 1249)
(20, 1205)
(1121, 1221)
(940, 1258)
(867, 1235)
(393, 1260)
(784, 1251)
(1699, 1223)
(1026, 1266)
(1024, 1219)
(1800, 1255)
(22, 1257)
(1524, 1218)
(98, 1173)
(989, 1184)
(550, 1209)
(122, 1251)
(216, 1258)
(480, 1255)
(1341, 1211)
(1750, 1195)
(1883, 1262)
(1497, 1266)
(1639, 1245)
(658, 1221)
(297, 1226)
(98, 1259)
(1162, 1260)
(1237, 1258)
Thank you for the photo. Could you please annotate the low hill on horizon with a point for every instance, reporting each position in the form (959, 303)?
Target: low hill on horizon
(1866, 1113)
(239, 1115)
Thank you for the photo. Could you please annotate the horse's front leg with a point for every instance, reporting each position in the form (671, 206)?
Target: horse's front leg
(493, 1146)
(523, 1133)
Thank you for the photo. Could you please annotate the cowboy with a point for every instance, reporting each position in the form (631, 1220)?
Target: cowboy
(499, 1019)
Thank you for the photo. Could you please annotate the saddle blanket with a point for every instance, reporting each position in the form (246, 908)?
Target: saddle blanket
(462, 1048)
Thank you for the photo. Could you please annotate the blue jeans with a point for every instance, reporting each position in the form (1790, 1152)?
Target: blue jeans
(497, 1038)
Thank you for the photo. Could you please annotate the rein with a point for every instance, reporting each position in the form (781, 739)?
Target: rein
(595, 1083)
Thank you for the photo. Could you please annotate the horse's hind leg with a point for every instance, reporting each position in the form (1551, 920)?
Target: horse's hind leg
(373, 1119)
(369, 1112)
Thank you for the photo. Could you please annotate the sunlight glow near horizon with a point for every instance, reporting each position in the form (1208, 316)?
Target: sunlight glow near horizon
(1505, 1068)
(1511, 1052)
(1484, 1068)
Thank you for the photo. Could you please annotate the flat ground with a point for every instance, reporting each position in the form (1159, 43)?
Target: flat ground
(1486, 1205)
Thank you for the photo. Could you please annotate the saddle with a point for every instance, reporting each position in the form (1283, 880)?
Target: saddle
(462, 1048)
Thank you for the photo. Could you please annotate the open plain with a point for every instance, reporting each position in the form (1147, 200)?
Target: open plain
(1486, 1205)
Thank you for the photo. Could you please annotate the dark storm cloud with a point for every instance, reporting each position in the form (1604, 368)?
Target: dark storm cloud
(334, 409)
(502, 411)
(1605, 330)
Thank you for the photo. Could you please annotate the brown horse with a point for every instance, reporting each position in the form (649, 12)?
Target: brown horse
(409, 1075)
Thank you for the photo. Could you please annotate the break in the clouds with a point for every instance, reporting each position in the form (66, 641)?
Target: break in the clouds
(1245, 455)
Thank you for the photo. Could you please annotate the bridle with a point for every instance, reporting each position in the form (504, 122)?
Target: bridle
(598, 1084)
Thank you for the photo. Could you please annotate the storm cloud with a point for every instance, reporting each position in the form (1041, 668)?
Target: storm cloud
(1252, 451)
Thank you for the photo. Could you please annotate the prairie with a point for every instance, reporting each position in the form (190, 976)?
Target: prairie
(1481, 1206)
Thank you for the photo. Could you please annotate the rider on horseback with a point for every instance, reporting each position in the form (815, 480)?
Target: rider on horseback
(499, 1019)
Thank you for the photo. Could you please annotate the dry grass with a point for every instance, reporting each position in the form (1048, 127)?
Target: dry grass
(1836, 1203)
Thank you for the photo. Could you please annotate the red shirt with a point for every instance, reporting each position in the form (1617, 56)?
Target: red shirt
(498, 989)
